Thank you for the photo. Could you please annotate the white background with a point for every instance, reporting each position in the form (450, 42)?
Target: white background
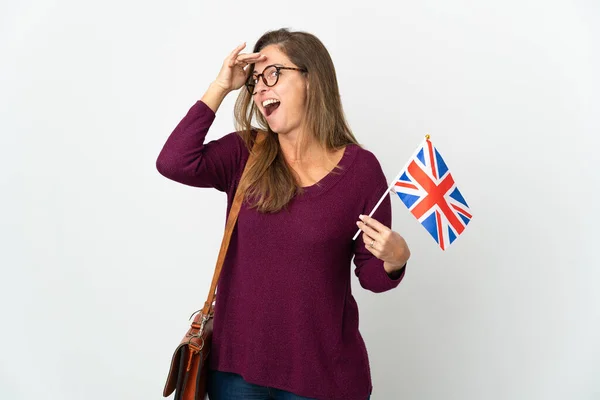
(102, 259)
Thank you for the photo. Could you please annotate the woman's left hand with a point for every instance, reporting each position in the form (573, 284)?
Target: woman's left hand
(384, 243)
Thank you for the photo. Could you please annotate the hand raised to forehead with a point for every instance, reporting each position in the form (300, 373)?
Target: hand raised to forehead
(234, 71)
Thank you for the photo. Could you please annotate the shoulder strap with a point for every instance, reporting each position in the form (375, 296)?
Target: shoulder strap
(231, 220)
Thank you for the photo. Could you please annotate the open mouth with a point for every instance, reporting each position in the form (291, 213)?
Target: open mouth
(270, 106)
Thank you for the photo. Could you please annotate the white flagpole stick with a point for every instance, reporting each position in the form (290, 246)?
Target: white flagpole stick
(378, 203)
(394, 182)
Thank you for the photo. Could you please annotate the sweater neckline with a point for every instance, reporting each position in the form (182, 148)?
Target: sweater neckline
(334, 176)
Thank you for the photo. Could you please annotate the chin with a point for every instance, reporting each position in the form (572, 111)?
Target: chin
(275, 127)
(276, 130)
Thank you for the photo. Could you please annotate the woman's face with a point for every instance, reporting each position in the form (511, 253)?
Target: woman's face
(282, 105)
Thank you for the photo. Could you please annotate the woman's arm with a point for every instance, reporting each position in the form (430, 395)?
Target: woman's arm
(184, 157)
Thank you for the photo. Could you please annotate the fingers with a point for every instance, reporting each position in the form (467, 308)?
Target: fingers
(250, 58)
(231, 59)
(371, 244)
(368, 230)
(373, 227)
(237, 50)
(373, 223)
(242, 60)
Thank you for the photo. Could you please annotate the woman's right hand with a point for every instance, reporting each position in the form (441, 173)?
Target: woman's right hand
(234, 71)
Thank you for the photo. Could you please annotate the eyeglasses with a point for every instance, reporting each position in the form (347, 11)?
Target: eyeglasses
(270, 76)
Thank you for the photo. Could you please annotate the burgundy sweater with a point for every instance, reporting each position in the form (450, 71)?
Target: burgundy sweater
(285, 316)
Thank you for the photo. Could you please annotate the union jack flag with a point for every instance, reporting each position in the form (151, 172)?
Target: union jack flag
(429, 192)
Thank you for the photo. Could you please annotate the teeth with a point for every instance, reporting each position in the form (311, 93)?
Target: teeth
(269, 102)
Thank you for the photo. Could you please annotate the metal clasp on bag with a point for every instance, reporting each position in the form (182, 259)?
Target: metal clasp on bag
(195, 347)
(204, 320)
(202, 323)
(198, 335)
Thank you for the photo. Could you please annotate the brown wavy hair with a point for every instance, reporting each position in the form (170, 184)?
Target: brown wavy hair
(270, 183)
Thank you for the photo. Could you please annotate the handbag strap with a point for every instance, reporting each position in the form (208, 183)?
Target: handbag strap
(231, 220)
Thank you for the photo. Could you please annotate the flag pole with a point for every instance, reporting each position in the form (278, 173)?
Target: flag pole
(393, 182)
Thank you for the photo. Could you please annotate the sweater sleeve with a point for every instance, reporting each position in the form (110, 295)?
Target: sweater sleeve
(369, 269)
(186, 159)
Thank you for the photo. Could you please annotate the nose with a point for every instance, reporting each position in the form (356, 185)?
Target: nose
(260, 86)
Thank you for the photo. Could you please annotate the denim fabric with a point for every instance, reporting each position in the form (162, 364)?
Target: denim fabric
(230, 386)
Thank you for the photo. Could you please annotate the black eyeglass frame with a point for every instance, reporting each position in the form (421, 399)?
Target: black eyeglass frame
(250, 87)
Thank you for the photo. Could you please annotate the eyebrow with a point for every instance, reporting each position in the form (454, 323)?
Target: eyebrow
(270, 65)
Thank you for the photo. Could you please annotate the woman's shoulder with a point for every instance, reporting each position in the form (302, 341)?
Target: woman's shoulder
(366, 166)
(364, 157)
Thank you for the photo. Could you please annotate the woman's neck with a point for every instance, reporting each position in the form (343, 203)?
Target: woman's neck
(301, 149)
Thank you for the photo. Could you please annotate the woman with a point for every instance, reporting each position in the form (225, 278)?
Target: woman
(286, 323)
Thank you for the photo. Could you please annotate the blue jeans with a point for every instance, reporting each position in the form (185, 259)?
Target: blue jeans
(229, 386)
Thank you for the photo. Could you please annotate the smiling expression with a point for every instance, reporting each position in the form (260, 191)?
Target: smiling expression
(282, 105)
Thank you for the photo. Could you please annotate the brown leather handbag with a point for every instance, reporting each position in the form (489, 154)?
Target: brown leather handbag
(189, 365)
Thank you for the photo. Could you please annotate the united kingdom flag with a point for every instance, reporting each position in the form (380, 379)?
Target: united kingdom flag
(429, 192)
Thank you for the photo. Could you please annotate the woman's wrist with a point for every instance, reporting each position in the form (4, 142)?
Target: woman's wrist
(395, 272)
(214, 96)
(393, 268)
